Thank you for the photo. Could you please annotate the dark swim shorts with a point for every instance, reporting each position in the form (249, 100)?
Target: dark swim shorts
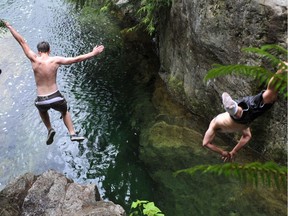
(253, 107)
(55, 101)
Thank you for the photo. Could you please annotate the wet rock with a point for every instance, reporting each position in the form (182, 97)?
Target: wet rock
(51, 193)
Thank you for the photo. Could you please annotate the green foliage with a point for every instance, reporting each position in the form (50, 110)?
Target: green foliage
(148, 12)
(2, 24)
(143, 207)
(3, 27)
(269, 53)
(270, 173)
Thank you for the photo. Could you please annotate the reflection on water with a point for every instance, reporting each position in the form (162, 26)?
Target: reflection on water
(98, 92)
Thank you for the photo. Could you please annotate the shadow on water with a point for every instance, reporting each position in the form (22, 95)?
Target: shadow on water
(100, 93)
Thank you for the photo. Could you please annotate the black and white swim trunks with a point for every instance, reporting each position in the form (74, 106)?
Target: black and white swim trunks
(253, 107)
(55, 101)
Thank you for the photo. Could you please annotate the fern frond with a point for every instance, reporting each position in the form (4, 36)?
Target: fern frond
(263, 75)
(246, 70)
(253, 172)
(270, 52)
(265, 55)
(279, 49)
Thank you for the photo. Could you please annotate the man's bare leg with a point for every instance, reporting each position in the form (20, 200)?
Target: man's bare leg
(270, 94)
(46, 120)
(69, 124)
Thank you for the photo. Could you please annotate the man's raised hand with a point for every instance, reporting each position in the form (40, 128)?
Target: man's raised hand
(98, 49)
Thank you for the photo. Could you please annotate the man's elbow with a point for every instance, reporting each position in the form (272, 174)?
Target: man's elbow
(249, 136)
(205, 144)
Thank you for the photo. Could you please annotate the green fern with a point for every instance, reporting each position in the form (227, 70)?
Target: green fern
(3, 27)
(251, 71)
(270, 173)
(148, 11)
(269, 53)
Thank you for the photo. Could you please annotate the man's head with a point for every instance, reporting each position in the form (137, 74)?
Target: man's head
(43, 47)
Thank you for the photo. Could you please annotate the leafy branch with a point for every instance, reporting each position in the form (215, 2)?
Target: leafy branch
(270, 173)
(269, 53)
(143, 207)
(146, 13)
(3, 27)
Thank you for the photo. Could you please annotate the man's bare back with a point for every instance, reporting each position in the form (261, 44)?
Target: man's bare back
(45, 72)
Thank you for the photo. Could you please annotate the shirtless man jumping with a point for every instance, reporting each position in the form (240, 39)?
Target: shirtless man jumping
(45, 73)
(238, 117)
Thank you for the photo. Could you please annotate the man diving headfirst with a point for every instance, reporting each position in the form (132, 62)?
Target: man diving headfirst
(238, 116)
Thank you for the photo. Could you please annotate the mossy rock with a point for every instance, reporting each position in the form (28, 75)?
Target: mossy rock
(173, 147)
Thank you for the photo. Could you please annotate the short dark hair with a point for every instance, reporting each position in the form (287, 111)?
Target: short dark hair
(43, 46)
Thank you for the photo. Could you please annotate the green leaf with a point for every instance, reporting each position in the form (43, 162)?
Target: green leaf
(3, 27)
(246, 173)
(272, 53)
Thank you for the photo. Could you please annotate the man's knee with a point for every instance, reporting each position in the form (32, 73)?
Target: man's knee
(204, 143)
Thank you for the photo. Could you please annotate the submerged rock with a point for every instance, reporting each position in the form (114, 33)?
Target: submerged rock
(51, 193)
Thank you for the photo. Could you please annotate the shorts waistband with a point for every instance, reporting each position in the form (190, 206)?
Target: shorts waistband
(47, 97)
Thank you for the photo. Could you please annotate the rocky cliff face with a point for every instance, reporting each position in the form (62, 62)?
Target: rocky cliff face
(51, 194)
(196, 34)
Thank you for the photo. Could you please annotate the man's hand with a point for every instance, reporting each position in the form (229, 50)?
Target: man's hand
(232, 155)
(98, 49)
(226, 156)
(6, 23)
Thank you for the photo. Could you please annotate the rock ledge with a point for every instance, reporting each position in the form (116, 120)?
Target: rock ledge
(51, 193)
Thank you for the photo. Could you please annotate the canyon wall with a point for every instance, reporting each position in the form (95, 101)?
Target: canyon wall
(193, 35)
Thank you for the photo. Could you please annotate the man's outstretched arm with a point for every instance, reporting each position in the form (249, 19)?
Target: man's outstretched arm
(70, 60)
(28, 52)
(209, 137)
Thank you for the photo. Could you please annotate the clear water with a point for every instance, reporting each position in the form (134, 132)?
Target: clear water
(99, 93)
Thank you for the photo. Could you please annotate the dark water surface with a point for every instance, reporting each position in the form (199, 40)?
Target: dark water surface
(99, 93)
